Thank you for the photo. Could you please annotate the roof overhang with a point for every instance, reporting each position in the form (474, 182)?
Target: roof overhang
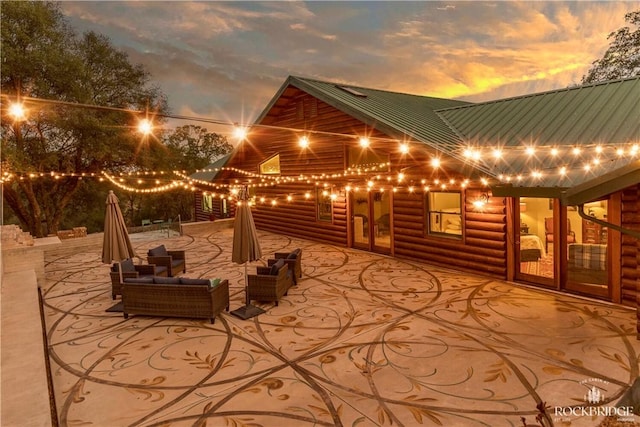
(597, 188)
(588, 191)
(211, 172)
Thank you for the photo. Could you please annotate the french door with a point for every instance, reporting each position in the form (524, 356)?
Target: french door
(371, 220)
(535, 260)
(556, 247)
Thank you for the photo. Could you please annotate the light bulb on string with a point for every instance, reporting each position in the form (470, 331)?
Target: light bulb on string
(18, 112)
(145, 127)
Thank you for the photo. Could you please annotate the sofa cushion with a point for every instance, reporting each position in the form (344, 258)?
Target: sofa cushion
(166, 280)
(146, 279)
(127, 265)
(276, 266)
(294, 254)
(158, 251)
(189, 281)
(159, 269)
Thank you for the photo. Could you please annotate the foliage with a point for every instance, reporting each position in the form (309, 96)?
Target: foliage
(43, 58)
(186, 148)
(622, 58)
(193, 147)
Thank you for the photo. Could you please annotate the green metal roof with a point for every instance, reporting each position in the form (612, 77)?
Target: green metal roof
(398, 115)
(211, 172)
(606, 114)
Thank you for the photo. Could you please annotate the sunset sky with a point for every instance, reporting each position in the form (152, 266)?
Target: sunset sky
(225, 60)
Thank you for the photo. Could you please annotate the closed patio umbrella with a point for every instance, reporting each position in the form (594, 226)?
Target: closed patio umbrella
(246, 247)
(116, 245)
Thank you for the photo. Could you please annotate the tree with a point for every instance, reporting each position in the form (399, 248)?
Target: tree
(186, 148)
(43, 58)
(622, 58)
(193, 147)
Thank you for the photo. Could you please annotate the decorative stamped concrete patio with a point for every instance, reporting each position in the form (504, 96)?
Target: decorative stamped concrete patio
(363, 340)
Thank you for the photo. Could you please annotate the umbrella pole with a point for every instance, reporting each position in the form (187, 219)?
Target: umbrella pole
(246, 285)
(120, 272)
(248, 311)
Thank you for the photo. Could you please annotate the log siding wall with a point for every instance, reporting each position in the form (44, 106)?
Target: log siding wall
(630, 260)
(482, 248)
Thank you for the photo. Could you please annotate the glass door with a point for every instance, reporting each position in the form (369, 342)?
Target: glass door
(535, 259)
(371, 220)
(360, 218)
(381, 211)
(587, 260)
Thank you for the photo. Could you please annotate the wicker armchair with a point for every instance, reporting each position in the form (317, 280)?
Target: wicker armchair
(269, 283)
(293, 259)
(129, 270)
(175, 297)
(174, 261)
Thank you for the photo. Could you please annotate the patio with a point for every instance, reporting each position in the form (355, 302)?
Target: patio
(362, 340)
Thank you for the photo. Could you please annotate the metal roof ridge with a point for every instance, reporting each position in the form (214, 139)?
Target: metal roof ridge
(536, 94)
(337, 84)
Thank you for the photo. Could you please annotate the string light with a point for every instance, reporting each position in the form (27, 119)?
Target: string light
(240, 132)
(145, 127)
(604, 153)
(17, 111)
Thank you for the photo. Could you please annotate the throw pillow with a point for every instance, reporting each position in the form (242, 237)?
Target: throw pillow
(159, 251)
(276, 266)
(214, 282)
(127, 265)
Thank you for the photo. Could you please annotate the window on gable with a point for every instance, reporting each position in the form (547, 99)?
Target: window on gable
(365, 157)
(444, 216)
(271, 166)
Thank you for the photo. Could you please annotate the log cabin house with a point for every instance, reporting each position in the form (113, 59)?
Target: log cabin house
(541, 189)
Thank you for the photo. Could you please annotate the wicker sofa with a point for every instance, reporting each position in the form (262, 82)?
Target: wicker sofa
(293, 260)
(129, 270)
(174, 261)
(175, 297)
(269, 283)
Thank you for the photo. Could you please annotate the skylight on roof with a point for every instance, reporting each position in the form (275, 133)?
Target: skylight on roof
(352, 91)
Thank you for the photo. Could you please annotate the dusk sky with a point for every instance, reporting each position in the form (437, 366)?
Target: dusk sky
(225, 60)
